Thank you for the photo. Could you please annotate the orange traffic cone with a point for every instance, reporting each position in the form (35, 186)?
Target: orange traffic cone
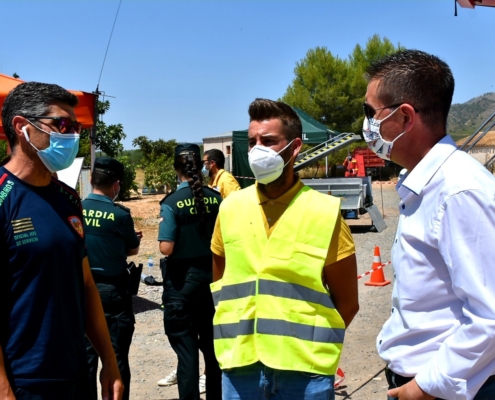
(377, 276)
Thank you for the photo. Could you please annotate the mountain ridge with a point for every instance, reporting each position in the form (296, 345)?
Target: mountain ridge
(465, 118)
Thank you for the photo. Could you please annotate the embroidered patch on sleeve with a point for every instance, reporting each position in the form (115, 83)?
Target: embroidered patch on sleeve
(77, 225)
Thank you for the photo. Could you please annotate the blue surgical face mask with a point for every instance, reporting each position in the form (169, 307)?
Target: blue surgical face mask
(61, 152)
(205, 172)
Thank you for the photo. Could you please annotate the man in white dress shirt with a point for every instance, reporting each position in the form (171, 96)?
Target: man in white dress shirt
(439, 341)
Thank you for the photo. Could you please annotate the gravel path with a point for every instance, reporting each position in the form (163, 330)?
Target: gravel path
(152, 357)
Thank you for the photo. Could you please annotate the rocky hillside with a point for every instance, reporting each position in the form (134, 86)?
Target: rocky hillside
(467, 117)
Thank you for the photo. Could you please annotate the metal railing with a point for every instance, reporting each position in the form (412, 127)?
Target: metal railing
(323, 149)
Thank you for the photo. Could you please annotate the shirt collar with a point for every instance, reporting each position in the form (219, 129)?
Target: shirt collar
(286, 198)
(99, 197)
(182, 185)
(418, 178)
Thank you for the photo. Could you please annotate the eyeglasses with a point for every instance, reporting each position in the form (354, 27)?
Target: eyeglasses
(370, 112)
(206, 162)
(63, 124)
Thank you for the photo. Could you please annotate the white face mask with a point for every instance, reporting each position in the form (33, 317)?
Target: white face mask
(373, 138)
(266, 164)
(115, 195)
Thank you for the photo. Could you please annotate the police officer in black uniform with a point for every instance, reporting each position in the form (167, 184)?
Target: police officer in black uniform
(110, 238)
(186, 227)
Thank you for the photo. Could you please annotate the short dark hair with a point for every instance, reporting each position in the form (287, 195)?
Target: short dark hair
(32, 98)
(263, 109)
(100, 180)
(417, 78)
(217, 156)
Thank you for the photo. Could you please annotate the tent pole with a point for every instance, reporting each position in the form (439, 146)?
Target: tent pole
(92, 135)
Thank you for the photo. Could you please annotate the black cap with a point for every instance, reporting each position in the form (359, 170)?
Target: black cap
(185, 149)
(113, 168)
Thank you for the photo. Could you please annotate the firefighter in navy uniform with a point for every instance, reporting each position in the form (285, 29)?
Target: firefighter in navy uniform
(187, 219)
(110, 238)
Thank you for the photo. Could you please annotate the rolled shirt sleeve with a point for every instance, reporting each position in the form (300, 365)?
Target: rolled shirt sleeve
(131, 239)
(167, 227)
(217, 246)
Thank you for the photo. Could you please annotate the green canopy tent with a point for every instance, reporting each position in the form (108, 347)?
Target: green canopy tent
(314, 132)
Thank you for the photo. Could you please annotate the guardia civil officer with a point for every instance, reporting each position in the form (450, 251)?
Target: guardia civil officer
(110, 238)
(187, 219)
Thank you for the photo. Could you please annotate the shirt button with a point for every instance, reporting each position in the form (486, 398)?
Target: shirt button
(269, 220)
(403, 206)
(380, 342)
(272, 203)
(392, 309)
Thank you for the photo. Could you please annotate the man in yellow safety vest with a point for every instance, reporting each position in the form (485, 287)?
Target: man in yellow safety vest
(285, 272)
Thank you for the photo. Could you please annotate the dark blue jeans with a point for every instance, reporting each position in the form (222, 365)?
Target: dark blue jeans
(259, 382)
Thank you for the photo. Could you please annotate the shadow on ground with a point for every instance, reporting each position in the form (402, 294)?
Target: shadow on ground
(140, 305)
(340, 392)
(362, 229)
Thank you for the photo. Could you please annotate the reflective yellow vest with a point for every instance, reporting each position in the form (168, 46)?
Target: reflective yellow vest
(271, 305)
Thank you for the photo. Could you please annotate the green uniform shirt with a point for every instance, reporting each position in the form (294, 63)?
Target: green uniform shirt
(110, 234)
(179, 222)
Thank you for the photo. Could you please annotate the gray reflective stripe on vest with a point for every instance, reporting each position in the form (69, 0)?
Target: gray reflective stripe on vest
(237, 291)
(294, 291)
(231, 331)
(300, 331)
(280, 328)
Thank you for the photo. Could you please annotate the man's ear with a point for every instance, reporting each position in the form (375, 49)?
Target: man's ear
(297, 147)
(409, 115)
(18, 122)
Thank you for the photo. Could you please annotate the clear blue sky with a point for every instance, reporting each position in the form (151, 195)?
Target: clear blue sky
(186, 70)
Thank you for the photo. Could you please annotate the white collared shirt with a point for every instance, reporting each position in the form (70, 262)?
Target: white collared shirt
(442, 326)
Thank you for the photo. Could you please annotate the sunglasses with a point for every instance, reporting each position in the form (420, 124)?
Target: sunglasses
(63, 124)
(370, 111)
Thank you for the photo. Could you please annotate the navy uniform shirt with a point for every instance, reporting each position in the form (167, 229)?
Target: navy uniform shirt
(109, 235)
(42, 302)
(179, 222)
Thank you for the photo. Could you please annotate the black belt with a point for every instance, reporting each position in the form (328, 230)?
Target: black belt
(395, 380)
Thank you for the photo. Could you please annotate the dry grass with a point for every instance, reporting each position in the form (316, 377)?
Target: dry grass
(309, 172)
(488, 140)
(139, 177)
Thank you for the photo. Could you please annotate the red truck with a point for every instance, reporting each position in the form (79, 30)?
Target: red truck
(367, 162)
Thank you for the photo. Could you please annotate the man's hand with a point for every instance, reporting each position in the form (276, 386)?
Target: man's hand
(410, 391)
(139, 234)
(112, 387)
(6, 392)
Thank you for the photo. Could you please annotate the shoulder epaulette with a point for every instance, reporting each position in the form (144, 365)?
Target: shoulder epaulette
(168, 194)
(70, 193)
(123, 207)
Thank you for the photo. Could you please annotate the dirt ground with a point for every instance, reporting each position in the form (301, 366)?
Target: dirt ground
(152, 358)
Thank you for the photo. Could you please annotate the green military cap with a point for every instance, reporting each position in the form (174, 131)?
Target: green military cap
(113, 168)
(185, 149)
